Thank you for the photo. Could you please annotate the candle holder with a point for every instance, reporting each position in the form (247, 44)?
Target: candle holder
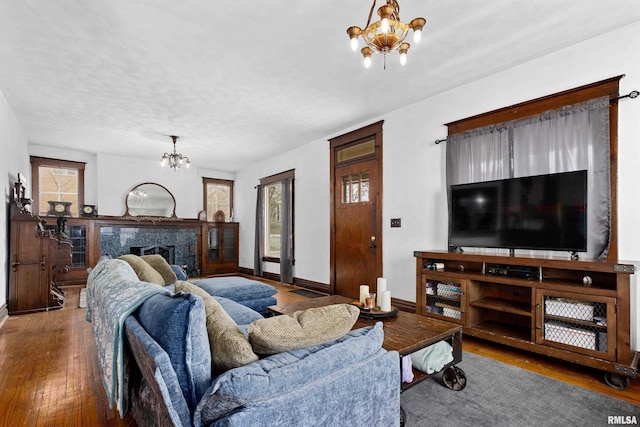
(370, 301)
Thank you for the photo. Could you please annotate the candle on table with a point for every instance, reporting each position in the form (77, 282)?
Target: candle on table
(364, 291)
(385, 304)
(381, 287)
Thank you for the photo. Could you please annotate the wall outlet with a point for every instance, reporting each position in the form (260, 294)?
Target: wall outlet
(396, 223)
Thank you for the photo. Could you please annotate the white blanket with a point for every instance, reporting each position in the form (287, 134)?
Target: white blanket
(433, 358)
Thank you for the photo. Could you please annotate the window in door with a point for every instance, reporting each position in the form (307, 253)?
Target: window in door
(355, 188)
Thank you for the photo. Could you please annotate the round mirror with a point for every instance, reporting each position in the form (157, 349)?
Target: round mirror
(149, 199)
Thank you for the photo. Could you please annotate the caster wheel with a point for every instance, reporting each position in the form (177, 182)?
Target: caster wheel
(454, 378)
(616, 381)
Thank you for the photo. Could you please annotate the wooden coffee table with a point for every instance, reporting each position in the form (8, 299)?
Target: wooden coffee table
(405, 333)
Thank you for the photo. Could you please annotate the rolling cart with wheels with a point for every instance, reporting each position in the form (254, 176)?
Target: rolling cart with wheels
(452, 377)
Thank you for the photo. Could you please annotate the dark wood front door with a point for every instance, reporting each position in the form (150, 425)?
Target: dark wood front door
(356, 215)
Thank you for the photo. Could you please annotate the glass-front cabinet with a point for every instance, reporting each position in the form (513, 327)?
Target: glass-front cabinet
(443, 298)
(77, 233)
(220, 241)
(213, 244)
(77, 236)
(577, 322)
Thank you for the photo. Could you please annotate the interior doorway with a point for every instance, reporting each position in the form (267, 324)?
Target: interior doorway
(356, 210)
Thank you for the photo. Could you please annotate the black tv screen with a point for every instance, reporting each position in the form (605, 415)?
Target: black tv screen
(547, 212)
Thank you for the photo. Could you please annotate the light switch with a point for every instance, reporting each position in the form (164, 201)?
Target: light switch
(396, 222)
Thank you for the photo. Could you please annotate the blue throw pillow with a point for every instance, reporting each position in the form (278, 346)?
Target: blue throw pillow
(241, 314)
(177, 323)
(179, 272)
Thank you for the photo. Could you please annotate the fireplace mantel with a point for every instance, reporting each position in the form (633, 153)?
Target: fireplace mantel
(192, 239)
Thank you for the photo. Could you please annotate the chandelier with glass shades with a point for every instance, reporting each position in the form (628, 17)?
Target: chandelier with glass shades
(387, 34)
(174, 160)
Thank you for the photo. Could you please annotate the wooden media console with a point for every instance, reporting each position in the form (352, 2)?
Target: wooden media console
(574, 310)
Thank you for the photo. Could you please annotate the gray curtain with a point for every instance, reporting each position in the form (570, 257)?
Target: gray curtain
(286, 234)
(258, 251)
(570, 138)
(478, 155)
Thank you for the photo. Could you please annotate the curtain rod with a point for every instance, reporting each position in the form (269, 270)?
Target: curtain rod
(633, 94)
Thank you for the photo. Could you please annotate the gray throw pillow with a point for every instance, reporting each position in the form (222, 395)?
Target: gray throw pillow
(143, 270)
(161, 266)
(302, 329)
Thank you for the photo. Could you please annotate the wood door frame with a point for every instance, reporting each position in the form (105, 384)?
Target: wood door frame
(352, 137)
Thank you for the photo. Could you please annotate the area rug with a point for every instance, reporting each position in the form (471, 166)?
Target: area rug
(307, 293)
(498, 394)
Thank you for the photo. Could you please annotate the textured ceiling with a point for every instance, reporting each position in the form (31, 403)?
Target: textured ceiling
(242, 81)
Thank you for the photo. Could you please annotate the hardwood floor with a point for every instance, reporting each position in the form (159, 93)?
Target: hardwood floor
(49, 373)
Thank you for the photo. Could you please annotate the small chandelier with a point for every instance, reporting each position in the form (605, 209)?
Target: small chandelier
(387, 34)
(175, 160)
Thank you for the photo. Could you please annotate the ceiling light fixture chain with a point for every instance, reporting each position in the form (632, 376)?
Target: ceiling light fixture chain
(175, 160)
(387, 34)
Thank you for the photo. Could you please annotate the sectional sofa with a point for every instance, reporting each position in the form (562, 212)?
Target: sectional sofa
(174, 380)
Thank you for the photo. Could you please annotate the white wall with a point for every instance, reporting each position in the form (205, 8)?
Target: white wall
(413, 166)
(312, 192)
(108, 179)
(15, 159)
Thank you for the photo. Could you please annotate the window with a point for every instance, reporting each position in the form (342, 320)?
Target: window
(356, 151)
(273, 219)
(59, 181)
(355, 188)
(530, 136)
(218, 195)
(273, 213)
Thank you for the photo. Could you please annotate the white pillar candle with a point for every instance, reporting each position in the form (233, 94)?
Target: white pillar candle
(364, 291)
(385, 303)
(381, 287)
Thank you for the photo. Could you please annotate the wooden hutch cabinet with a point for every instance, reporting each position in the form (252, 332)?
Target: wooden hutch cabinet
(220, 240)
(37, 257)
(573, 310)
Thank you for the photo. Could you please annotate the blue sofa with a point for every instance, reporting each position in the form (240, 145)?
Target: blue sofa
(349, 381)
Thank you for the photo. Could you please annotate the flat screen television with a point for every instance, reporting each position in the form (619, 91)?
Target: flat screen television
(545, 212)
